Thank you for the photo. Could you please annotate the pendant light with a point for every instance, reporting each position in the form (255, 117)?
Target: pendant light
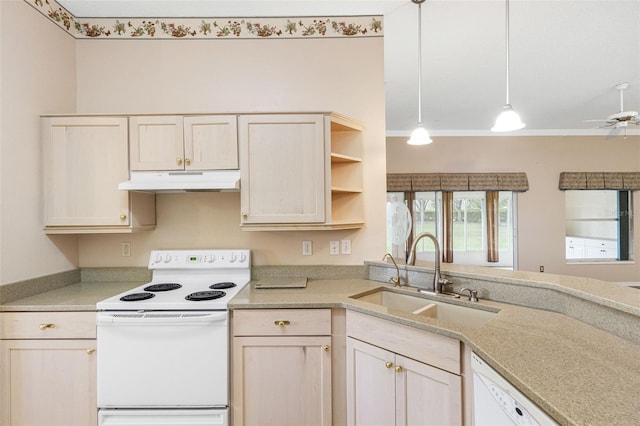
(508, 120)
(419, 136)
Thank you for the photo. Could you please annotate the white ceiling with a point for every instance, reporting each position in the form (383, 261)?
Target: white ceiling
(566, 56)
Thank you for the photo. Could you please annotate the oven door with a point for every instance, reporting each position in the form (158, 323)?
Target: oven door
(162, 359)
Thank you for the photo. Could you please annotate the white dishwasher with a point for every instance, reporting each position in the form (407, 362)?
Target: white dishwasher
(498, 403)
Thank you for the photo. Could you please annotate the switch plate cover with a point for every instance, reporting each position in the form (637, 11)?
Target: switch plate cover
(345, 246)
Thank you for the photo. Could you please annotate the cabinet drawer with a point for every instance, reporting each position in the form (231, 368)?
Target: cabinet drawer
(282, 322)
(48, 325)
(433, 349)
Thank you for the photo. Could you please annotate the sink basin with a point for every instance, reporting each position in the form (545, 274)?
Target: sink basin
(418, 305)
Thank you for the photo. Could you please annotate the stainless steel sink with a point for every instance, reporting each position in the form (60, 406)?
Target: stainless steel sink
(419, 305)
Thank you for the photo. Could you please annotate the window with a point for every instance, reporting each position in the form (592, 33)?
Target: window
(598, 225)
(468, 216)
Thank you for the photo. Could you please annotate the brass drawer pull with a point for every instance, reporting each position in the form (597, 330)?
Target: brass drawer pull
(179, 161)
(90, 351)
(281, 323)
(187, 161)
(48, 325)
(398, 369)
(388, 364)
(325, 348)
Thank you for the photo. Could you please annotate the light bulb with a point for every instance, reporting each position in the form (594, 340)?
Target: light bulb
(419, 136)
(507, 121)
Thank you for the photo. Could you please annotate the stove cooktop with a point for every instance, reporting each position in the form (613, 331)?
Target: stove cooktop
(186, 280)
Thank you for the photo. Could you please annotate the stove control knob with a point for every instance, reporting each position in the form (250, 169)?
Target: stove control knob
(233, 258)
(243, 257)
(158, 258)
(167, 258)
(210, 258)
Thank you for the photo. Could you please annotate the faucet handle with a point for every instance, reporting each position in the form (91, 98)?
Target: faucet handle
(473, 294)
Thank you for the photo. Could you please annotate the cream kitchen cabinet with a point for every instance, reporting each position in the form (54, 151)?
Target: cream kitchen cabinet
(189, 143)
(48, 365)
(397, 375)
(85, 158)
(300, 172)
(281, 367)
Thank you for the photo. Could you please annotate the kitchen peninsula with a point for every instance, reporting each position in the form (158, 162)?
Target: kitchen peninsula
(578, 370)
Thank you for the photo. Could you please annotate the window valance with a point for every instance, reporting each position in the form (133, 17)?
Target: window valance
(599, 180)
(401, 182)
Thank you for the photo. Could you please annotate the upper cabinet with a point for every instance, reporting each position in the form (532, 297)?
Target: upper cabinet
(174, 143)
(84, 160)
(300, 172)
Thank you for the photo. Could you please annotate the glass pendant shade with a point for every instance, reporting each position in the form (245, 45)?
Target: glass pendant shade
(419, 136)
(507, 121)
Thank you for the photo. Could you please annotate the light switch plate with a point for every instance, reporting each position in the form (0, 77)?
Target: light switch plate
(307, 248)
(345, 246)
(334, 247)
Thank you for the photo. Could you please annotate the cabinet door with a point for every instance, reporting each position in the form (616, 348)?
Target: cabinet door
(282, 381)
(156, 143)
(85, 158)
(426, 395)
(370, 385)
(48, 382)
(211, 142)
(282, 162)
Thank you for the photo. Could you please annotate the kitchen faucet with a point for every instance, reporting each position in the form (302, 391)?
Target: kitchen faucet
(438, 281)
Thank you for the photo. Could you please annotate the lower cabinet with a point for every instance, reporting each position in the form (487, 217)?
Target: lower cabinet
(48, 369)
(281, 367)
(395, 378)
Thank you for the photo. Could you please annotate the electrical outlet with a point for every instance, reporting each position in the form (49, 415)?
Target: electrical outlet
(307, 248)
(334, 247)
(541, 268)
(126, 249)
(345, 246)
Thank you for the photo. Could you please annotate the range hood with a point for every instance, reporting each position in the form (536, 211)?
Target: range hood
(210, 180)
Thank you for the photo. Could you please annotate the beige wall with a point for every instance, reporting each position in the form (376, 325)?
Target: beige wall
(37, 75)
(541, 209)
(156, 76)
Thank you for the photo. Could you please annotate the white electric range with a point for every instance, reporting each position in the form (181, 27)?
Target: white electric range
(163, 347)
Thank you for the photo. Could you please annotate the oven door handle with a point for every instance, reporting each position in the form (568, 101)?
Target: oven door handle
(160, 318)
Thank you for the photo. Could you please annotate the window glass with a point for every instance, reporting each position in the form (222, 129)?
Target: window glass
(598, 225)
(469, 226)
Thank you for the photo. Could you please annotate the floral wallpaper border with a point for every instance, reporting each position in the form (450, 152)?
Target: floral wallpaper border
(209, 28)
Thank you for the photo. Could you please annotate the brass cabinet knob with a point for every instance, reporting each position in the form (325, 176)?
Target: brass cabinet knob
(123, 216)
(90, 351)
(325, 348)
(187, 161)
(281, 323)
(398, 369)
(48, 325)
(179, 161)
(388, 364)
(245, 215)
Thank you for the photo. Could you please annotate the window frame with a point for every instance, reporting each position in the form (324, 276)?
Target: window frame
(510, 262)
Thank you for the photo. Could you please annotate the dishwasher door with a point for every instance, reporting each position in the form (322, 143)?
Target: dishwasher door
(498, 403)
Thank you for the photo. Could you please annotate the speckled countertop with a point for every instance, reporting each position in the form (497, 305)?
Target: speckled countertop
(577, 373)
(81, 296)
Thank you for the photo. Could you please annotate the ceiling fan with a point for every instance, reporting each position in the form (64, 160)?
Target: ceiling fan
(620, 120)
